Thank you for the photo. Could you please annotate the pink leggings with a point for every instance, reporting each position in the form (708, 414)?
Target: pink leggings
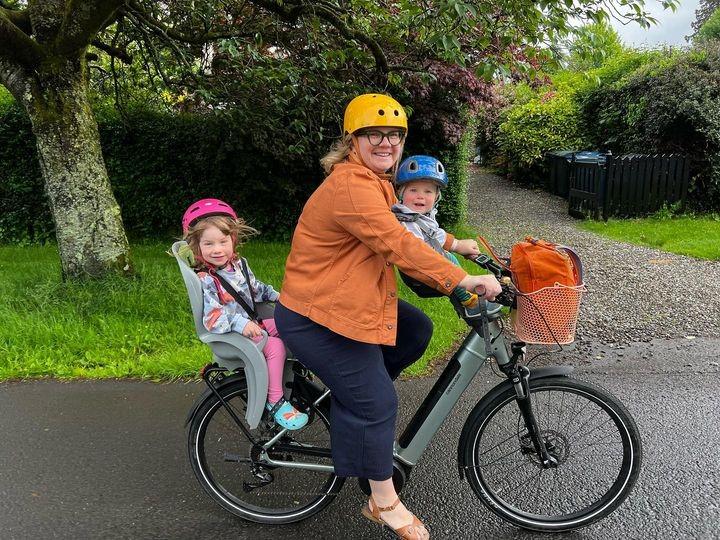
(274, 352)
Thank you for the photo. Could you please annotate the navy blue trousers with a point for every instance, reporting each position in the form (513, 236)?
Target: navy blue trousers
(359, 375)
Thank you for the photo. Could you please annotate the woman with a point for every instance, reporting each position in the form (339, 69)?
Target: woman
(339, 311)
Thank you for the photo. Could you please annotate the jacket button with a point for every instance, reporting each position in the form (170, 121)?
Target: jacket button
(387, 264)
(389, 326)
(392, 294)
(448, 284)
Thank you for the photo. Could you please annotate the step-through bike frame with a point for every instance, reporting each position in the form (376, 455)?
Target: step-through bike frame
(438, 404)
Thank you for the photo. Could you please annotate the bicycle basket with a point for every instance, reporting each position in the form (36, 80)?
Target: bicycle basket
(549, 315)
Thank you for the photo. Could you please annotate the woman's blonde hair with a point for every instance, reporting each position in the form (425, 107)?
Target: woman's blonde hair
(337, 154)
(341, 150)
(237, 229)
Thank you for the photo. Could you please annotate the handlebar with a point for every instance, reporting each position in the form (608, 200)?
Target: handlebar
(507, 295)
(483, 261)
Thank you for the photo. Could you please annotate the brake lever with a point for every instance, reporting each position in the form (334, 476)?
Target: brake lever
(507, 295)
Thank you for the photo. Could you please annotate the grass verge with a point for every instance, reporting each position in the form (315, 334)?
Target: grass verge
(686, 235)
(133, 328)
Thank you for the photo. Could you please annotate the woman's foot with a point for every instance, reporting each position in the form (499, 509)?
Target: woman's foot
(403, 522)
(285, 415)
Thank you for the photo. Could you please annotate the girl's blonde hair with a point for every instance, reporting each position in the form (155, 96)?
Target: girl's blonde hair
(341, 150)
(237, 229)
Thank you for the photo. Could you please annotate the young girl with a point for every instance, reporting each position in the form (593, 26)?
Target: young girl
(213, 231)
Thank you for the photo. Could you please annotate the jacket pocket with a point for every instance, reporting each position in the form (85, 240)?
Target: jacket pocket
(359, 295)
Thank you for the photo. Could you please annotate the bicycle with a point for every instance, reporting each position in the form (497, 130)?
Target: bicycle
(526, 448)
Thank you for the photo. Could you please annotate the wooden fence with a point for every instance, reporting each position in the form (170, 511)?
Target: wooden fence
(628, 185)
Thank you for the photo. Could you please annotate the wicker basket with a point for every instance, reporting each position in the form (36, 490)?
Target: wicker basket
(548, 316)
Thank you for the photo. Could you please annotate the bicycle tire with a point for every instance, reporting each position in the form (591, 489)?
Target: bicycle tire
(214, 440)
(497, 418)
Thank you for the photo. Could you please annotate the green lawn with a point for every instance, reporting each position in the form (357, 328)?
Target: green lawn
(131, 328)
(694, 236)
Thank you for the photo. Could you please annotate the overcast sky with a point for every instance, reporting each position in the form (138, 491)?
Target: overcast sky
(671, 29)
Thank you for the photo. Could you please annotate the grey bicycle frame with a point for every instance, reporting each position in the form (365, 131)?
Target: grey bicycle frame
(436, 407)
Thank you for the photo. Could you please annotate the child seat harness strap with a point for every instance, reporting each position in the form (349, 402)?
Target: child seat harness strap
(427, 232)
(236, 294)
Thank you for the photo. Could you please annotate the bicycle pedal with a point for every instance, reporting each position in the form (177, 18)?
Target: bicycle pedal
(264, 478)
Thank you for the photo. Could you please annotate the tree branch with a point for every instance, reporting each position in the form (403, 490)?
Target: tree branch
(16, 47)
(19, 17)
(350, 33)
(170, 33)
(121, 54)
(140, 24)
(14, 78)
(331, 16)
(82, 22)
(46, 19)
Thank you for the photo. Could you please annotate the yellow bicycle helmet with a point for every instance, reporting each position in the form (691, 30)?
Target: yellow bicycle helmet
(373, 110)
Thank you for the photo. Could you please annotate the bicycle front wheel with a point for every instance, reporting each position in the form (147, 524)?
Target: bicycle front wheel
(587, 431)
(230, 469)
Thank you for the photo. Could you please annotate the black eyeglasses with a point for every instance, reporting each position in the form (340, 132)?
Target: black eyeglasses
(375, 137)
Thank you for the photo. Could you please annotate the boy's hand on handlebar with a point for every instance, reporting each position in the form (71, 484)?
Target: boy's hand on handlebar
(486, 286)
(467, 247)
(252, 330)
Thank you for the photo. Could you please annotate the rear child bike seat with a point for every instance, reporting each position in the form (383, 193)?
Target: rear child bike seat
(232, 350)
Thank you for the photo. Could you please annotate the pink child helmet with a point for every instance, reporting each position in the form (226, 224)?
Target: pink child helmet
(204, 208)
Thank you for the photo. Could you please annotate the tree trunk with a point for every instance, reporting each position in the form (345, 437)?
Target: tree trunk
(89, 229)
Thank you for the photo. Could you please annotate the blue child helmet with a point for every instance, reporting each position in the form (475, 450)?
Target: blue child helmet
(417, 168)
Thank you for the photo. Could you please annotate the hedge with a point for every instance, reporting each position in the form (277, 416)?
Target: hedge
(159, 162)
(670, 104)
(663, 101)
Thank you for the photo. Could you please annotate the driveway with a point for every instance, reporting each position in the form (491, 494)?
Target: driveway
(635, 293)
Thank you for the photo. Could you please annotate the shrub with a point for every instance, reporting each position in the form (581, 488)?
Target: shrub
(710, 30)
(671, 104)
(24, 212)
(443, 124)
(528, 131)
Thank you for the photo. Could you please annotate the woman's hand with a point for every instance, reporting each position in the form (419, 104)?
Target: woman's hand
(467, 247)
(485, 286)
(252, 330)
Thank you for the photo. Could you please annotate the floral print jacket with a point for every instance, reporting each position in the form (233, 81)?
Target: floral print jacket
(221, 312)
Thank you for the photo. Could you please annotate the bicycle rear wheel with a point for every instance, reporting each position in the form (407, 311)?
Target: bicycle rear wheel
(590, 434)
(227, 466)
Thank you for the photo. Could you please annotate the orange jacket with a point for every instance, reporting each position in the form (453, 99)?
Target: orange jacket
(339, 272)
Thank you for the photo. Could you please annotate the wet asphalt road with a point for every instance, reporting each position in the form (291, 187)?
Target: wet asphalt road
(107, 459)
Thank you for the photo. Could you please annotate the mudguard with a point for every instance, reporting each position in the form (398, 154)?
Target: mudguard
(539, 373)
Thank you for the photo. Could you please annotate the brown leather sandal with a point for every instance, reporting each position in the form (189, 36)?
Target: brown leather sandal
(412, 531)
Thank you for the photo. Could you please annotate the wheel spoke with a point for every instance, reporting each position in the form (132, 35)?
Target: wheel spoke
(231, 470)
(579, 425)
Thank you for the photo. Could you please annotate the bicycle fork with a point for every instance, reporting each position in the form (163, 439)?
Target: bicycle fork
(520, 378)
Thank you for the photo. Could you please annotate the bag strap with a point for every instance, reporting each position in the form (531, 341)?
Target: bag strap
(577, 263)
(238, 297)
